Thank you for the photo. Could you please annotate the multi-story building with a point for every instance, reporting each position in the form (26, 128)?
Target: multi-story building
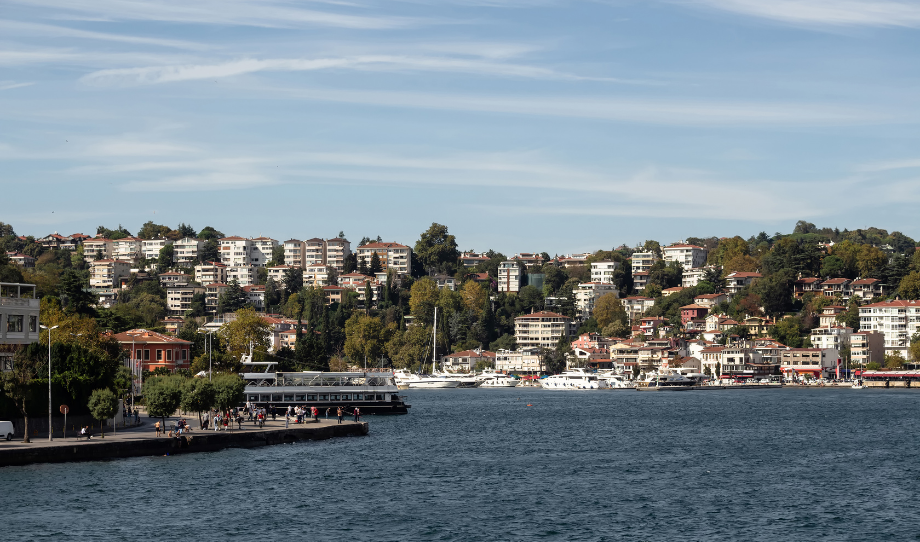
(542, 329)
(445, 281)
(467, 360)
(210, 272)
(107, 273)
(867, 347)
(814, 362)
(336, 251)
(255, 294)
(510, 275)
(19, 312)
(314, 252)
(244, 274)
(588, 293)
(522, 361)
(710, 300)
(294, 253)
(636, 305)
(806, 285)
(472, 259)
(22, 260)
(186, 251)
(212, 295)
(179, 298)
(316, 275)
(234, 251)
(97, 248)
(152, 350)
(392, 256)
(261, 250)
(689, 256)
(897, 320)
(836, 287)
(277, 273)
(603, 271)
(642, 262)
(150, 248)
(835, 337)
(127, 249)
(174, 279)
(866, 289)
(735, 282)
(640, 280)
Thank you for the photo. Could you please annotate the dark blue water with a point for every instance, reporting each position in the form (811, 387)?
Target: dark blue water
(791, 464)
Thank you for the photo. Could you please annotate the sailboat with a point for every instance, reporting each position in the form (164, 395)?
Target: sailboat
(434, 380)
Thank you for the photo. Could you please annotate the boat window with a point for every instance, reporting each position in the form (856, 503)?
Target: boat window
(323, 397)
(346, 397)
(288, 396)
(300, 397)
(263, 397)
(253, 397)
(334, 397)
(311, 397)
(359, 397)
(276, 397)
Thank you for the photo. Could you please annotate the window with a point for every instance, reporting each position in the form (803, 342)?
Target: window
(14, 323)
(33, 324)
(138, 354)
(169, 355)
(159, 355)
(146, 355)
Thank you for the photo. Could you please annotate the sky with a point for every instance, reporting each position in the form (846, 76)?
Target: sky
(524, 126)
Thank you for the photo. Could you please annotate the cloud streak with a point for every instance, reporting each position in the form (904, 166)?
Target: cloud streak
(877, 13)
(172, 74)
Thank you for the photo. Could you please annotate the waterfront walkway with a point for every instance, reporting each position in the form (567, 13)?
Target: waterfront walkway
(142, 440)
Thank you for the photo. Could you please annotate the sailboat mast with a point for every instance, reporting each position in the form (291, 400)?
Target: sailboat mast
(434, 342)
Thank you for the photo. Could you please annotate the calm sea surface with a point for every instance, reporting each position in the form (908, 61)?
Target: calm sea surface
(790, 464)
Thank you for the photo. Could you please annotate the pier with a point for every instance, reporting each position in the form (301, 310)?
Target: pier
(142, 441)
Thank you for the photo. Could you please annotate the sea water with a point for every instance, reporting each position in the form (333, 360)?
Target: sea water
(520, 464)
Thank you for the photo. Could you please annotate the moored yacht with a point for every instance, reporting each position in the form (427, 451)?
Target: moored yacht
(497, 380)
(573, 379)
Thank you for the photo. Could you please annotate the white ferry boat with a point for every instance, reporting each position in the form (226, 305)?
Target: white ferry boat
(374, 392)
(573, 379)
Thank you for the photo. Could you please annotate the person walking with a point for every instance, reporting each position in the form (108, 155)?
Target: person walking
(157, 425)
(137, 417)
(339, 414)
(328, 410)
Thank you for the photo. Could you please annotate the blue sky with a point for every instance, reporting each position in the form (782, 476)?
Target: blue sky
(522, 126)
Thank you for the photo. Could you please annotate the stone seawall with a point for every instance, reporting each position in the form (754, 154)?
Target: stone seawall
(200, 441)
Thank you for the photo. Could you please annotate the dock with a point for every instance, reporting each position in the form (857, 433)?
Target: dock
(142, 441)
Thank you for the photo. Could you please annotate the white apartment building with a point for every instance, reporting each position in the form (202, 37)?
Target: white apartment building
(186, 251)
(392, 256)
(897, 320)
(336, 252)
(314, 252)
(255, 294)
(735, 282)
(692, 277)
(276, 273)
(603, 271)
(150, 248)
(98, 246)
(234, 251)
(588, 293)
(106, 273)
(19, 312)
(316, 275)
(866, 347)
(294, 253)
(636, 305)
(127, 249)
(179, 298)
(642, 262)
(260, 251)
(525, 360)
(835, 337)
(245, 275)
(210, 273)
(689, 256)
(542, 329)
(509, 277)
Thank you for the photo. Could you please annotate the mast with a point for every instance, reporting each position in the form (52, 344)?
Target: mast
(434, 342)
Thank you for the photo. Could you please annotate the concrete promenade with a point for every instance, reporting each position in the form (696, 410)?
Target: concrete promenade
(142, 440)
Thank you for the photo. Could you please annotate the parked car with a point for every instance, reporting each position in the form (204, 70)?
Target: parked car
(6, 430)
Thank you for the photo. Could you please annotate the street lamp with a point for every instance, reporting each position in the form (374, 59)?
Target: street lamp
(210, 350)
(49, 379)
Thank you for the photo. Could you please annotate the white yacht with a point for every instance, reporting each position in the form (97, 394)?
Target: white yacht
(668, 380)
(497, 380)
(573, 379)
(436, 379)
(615, 381)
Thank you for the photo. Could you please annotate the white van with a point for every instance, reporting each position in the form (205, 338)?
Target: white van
(6, 430)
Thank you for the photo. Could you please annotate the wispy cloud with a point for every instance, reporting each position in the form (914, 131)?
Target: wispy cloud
(277, 14)
(675, 111)
(201, 182)
(879, 13)
(19, 28)
(7, 85)
(890, 165)
(174, 73)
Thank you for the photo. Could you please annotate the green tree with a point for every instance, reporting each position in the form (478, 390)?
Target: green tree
(210, 251)
(894, 361)
(186, 230)
(376, 266)
(72, 290)
(228, 391)
(165, 259)
(232, 299)
(163, 395)
(608, 309)
(833, 266)
(103, 404)
(197, 396)
(210, 234)
(437, 249)
(247, 330)
(424, 296)
(365, 338)
(505, 342)
(909, 287)
(19, 384)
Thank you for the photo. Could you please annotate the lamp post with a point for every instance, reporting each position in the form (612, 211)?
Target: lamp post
(50, 432)
(210, 350)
